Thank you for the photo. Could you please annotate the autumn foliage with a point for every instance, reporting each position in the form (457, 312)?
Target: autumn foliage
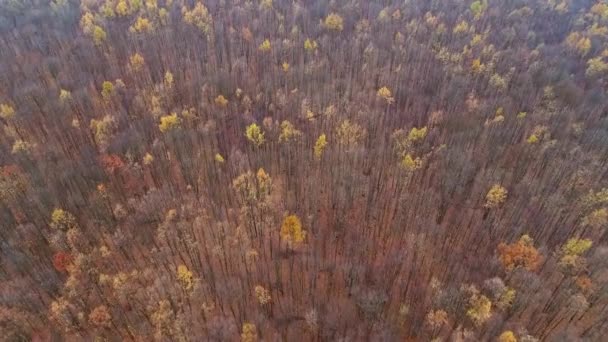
(521, 253)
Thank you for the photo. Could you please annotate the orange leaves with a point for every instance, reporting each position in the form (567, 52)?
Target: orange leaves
(62, 261)
(520, 254)
(100, 317)
(111, 162)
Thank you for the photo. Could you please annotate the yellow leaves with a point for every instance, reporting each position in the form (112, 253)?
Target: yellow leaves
(87, 23)
(578, 43)
(88, 26)
(480, 309)
(334, 22)
(600, 9)
(572, 254)
(99, 35)
(199, 17)
(417, 134)
(122, 9)
(597, 218)
(596, 67)
(169, 122)
(218, 158)
(141, 25)
(21, 146)
(64, 96)
(499, 82)
(319, 147)
(148, 159)
(532, 139)
(185, 277)
(136, 62)
(285, 66)
(411, 164)
(265, 46)
(506, 299)
(262, 294)
(461, 27)
(221, 101)
(255, 188)
(7, 111)
(521, 115)
(595, 198)
(291, 230)
(162, 318)
(266, 4)
(539, 132)
(62, 220)
(507, 336)
(310, 115)
(288, 132)
(576, 247)
(249, 333)
(350, 134)
(477, 67)
(168, 79)
(496, 120)
(102, 129)
(151, 4)
(107, 89)
(478, 7)
(495, 196)
(255, 135)
(385, 94)
(188, 113)
(310, 45)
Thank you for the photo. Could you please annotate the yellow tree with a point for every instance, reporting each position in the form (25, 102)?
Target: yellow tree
(136, 62)
(262, 294)
(496, 196)
(385, 94)
(480, 309)
(320, 145)
(265, 46)
(169, 122)
(572, 253)
(62, 220)
(350, 134)
(288, 132)
(334, 22)
(107, 89)
(249, 333)
(185, 277)
(255, 135)
(6, 111)
(199, 17)
(291, 230)
(507, 336)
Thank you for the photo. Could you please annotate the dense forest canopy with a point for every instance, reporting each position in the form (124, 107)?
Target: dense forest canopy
(274, 170)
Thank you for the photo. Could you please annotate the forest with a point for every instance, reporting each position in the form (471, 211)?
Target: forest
(304, 170)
